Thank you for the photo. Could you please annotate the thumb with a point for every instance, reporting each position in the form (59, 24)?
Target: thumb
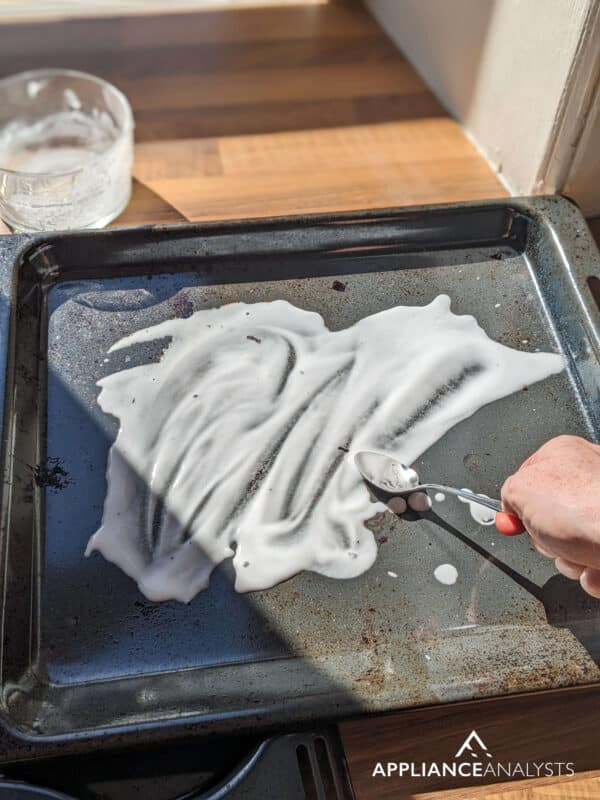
(507, 494)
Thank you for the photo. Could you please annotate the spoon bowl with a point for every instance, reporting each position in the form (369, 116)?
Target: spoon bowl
(386, 473)
(388, 478)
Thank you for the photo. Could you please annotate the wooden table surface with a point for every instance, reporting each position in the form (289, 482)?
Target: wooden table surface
(245, 113)
(260, 111)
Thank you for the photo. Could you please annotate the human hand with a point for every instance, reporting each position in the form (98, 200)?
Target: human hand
(556, 493)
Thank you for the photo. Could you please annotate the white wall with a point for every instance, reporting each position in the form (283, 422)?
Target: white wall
(499, 66)
(583, 180)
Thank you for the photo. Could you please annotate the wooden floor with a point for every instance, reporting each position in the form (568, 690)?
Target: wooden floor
(268, 111)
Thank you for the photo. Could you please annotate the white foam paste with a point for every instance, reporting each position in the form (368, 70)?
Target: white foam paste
(481, 514)
(230, 446)
(439, 497)
(446, 574)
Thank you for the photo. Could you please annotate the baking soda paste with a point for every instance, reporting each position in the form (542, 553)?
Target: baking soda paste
(239, 442)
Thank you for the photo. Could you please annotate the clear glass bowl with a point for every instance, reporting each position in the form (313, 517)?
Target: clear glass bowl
(66, 150)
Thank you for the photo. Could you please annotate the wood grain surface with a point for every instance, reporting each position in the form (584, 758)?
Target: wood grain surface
(245, 113)
(557, 726)
(261, 111)
(579, 787)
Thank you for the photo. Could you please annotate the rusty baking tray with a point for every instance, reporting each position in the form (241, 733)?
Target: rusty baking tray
(86, 661)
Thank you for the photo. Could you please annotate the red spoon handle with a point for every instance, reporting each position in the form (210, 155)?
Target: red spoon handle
(509, 524)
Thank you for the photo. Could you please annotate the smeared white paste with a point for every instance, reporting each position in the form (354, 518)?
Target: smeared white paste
(481, 514)
(446, 574)
(397, 476)
(232, 447)
(439, 497)
(392, 574)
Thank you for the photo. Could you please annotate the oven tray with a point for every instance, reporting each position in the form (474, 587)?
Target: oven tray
(86, 661)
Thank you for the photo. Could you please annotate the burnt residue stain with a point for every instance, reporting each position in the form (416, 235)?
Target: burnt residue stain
(181, 305)
(50, 474)
(373, 679)
(338, 286)
(473, 462)
(497, 256)
(254, 339)
(147, 609)
(378, 523)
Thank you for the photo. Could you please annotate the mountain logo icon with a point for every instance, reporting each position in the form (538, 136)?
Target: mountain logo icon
(475, 745)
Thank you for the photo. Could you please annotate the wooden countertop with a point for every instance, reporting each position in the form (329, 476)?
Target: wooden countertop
(261, 111)
(264, 111)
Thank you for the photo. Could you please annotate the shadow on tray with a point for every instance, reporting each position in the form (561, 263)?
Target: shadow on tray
(565, 602)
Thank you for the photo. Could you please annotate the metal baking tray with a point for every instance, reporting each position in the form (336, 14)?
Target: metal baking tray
(86, 661)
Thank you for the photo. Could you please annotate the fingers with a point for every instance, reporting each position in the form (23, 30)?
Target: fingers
(554, 448)
(531, 460)
(555, 494)
(560, 443)
(543, 550)
(588, 577)
(590, 581)
(558, 524)
(569, 569)
(571, 547)
(507, 495)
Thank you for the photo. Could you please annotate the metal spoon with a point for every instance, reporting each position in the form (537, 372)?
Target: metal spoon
(388, 478)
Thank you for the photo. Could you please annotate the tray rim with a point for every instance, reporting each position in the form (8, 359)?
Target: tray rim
(20, 246)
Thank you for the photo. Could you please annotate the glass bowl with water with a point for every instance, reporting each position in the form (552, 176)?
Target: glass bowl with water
(66, 150)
